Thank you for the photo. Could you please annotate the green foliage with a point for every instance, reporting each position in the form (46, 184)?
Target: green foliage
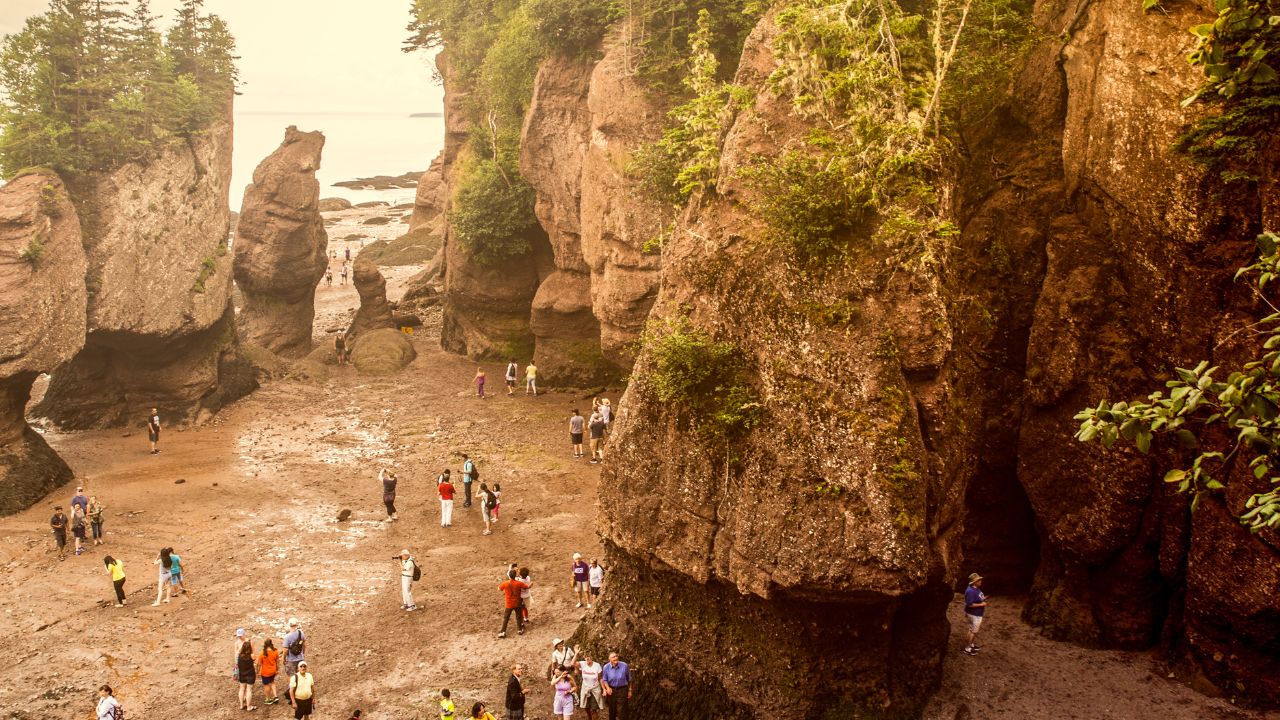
(208, 267)
(50, 200)
(492, 214)
(572, 28)
(658, 36)
(89, 86)
(33, 251)
(1238, 54)
(1201, 407)
(690, 370)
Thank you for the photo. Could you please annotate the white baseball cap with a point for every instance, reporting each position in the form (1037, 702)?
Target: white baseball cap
(293, 622)
(577, 556)
(404, 552)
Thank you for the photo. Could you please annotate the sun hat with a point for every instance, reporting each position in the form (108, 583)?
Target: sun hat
(404, 552)
(577, 556)
(556, 642)
(239, 632)
(974, 577)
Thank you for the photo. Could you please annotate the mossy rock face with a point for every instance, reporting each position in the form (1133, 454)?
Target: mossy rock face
(384, 351)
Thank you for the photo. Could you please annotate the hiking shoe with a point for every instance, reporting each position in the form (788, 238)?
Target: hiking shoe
(411, 608)
(521, 631)
(578, 605)
(971, 651)
(501, 635)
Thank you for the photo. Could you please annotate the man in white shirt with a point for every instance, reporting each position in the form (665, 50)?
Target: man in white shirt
(591, 697)
(407, 565)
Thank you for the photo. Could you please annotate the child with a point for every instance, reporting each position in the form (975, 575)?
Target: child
(497, 500)
(524, 594)
(447, 707)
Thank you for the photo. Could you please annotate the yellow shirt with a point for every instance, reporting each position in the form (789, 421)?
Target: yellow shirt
(301, 685)
(117, 570)
(447, 708)
(531, 372)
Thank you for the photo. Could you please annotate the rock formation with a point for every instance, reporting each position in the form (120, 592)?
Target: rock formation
(160, 325)
(382, 351)
(429, 201)
(42, 323)
(375, 311)
(280, 247)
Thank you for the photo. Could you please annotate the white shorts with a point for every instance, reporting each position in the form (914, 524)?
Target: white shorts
(579, 587)
(975, 622)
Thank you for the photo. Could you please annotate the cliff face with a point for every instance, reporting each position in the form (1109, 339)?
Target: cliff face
(42, 324)
(916, 417)
(160, 326)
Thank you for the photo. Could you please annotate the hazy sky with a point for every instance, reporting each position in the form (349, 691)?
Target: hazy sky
(310, 55)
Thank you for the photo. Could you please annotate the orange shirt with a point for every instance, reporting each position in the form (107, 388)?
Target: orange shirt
(511, 589)
(269, 659)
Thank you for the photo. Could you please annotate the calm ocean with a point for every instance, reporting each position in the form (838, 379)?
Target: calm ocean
(356, 145)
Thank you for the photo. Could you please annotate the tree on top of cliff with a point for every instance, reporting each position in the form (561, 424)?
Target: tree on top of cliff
(90, 85)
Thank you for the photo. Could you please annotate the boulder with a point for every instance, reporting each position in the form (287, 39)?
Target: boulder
(375, 311)
(42, 323)
(333, 204)
(280, 247)
(380, 352)
(160, 323)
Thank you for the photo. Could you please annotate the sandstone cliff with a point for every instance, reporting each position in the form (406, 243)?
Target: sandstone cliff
(160, 325)
(280, 247)
(42, 323)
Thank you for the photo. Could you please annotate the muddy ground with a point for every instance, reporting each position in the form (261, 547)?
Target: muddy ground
(250, 503)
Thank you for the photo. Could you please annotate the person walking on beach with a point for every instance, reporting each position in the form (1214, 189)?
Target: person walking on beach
(247, 675)
(596, 426)
(409, 572)
(591, 696)
(177, 586)
(487, 503)
(975, 606)
(79, 524)
(511, 588)
(340, 348)
(513, 372)
(515, 694)
(581, 580)
(328, 275)
(164, 577)
(595, 579)
(565, 688)
(153, 431)
(295, 648)
(389, 480)
(58, 523)
(116, 569)
(302, 688)
(531, 379)
(479, 381)
(344, 272)
(616, 678)
(577, 424)
(95, 519)
(107, 704)
(469, 475)
(268, 666)
(445, 488)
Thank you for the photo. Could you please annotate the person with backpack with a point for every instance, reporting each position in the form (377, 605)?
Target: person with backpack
(116, 568)
(302, 692)
(487, 502)
(513, 372)
(596, 425)
(78, 525)
(153, 431)
(447, 708)
(295, 646)
(108, 707)
(470, 473)
(268, 666)
(389, 480)
(409, 574)
(247, 675)
(445, 488)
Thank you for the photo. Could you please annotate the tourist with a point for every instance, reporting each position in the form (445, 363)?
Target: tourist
(153, 431)
(565, 687)
(596, 426)
(561, 657)
(344, 272)
(107, 704)
(479, 381)
(445, 488)
(79, 500)
(511, 588)
(295, 646)
(247, 675)
(595, 579)
(479, 712)
(116, 568)
(975, 606)
(236, 644)
(95, 519)
(164, 577)
(525, 594)
(58, 523)
(515, 694)
(576, 425)
(497, 502)
(389, 480)
(347, 250)
(469, 474)
(531, 379)
(487, 502)
(175, 574)
(581, 580)
(408, 568)
(79, 523)
(268, 666)
(606, 413)
(591, 696)
(513, 372)
(616, 678)
(328, 275)
(447, 708)
(302, 689)
(340, 347)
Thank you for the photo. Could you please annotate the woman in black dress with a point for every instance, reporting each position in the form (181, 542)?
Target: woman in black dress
(247, 674)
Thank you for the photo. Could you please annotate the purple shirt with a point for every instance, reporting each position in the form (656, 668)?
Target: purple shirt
(580, 571)
(616, 677)
(972, 596)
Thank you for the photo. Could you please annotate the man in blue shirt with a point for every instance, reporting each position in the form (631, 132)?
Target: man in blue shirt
(975, 605)
(468, 474)
(616, 679)
(294, 641)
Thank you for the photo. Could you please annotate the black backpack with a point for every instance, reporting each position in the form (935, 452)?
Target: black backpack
(117, 712)
(417, 571)
(475, 472)
(298, 645)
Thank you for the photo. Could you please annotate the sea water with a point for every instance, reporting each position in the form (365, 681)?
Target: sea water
(357, 145)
